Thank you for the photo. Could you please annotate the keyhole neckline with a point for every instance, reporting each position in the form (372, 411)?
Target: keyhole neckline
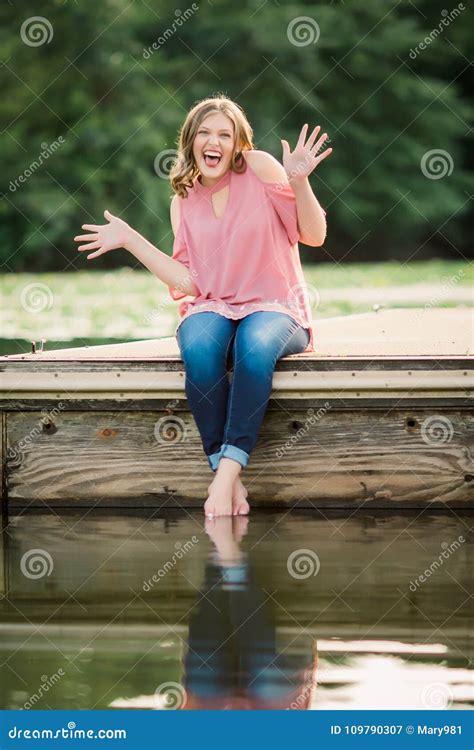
(210, 189)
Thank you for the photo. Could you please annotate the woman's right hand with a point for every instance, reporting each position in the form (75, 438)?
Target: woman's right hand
(105, 237)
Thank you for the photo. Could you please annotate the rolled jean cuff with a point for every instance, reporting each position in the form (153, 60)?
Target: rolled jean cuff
(230, 451)
(214, 460)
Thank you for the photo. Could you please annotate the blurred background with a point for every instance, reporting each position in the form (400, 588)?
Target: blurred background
(93, 95)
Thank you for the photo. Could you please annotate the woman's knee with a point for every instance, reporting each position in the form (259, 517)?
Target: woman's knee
(204, 359)
(256, 357)
(260, 347)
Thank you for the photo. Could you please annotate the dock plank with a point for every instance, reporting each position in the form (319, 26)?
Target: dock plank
(385, 333)
(380, 415)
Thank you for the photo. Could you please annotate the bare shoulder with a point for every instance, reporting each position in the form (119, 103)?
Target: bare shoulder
(265, 166)
(175, 213)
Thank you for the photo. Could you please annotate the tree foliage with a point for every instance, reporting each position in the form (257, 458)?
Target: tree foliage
(113, 103)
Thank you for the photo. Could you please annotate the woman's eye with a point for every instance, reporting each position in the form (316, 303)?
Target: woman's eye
(203, 132)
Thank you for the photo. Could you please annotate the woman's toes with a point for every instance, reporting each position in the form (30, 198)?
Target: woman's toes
(218, 506)
(240, 508)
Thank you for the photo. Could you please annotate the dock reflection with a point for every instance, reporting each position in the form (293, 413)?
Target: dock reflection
(154, 610)
(233, 660)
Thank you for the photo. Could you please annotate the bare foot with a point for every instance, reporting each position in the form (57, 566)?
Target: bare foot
(239, 528)
(226, 533)
(219, 502)
(240, 506)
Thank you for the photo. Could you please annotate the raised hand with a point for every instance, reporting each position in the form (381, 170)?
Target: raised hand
(303, 160)
(104, 237)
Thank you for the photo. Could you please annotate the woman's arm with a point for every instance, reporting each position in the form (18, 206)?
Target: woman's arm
(311, 217)
(118, 234)
(298, 165)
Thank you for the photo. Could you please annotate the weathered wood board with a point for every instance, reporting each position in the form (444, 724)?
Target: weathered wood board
(111, 425)
(337, 458)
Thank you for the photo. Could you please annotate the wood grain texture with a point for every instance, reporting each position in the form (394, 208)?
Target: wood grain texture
(319, 458)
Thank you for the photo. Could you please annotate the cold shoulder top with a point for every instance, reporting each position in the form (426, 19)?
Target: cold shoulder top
(248, 259)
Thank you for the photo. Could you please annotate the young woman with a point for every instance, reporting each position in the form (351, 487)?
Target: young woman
(237, 216)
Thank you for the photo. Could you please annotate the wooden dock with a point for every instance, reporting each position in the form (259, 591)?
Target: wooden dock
(381, 415)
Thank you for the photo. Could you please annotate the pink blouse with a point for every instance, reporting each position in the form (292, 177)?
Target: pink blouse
(248, 259)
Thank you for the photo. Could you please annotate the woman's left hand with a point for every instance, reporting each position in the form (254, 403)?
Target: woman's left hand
(303, 160)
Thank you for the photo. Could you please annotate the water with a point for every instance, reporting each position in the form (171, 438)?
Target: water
(287, 609)
(23, 346)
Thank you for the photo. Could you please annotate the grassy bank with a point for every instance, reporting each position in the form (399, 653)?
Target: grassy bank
(126, 304)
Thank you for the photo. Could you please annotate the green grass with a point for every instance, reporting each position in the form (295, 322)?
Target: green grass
(122, 305)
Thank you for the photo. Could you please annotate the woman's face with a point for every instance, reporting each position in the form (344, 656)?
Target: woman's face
(215, 135)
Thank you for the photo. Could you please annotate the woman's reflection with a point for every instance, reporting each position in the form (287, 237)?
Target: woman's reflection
(232, 660)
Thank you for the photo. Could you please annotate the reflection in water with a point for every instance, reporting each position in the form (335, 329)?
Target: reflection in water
(148, 609)
(233, 659)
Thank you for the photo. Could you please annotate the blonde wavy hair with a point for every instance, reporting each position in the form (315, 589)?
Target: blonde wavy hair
(185, 170)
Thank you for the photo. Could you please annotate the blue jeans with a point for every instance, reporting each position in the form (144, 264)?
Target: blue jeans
(229, 415)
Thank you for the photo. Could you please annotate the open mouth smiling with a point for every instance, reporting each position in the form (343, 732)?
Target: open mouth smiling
(212, 158)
